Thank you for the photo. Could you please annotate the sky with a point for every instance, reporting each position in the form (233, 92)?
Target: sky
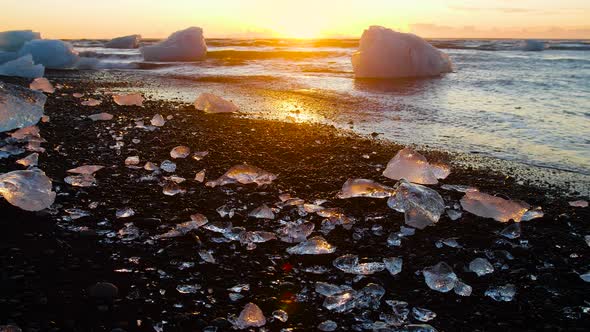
(299, 18)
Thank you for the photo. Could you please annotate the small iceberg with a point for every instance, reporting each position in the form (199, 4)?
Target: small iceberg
(51, 53)
(22, 67)
(125, 42)
(184, 45)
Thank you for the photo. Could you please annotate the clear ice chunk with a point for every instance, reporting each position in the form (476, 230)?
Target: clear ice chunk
(579, 203)
(585, 276)
(210, 103)
(197, 220)
(440, 277)
(158, 120)
(393, 265)
(502, 293)
(481, 266)
(295, 233)
(327, 326)
(129, 99)
(86, 169)
(458, 187)
(494, 207)
(200, 176)
(280, 315)
(350, 264)
(91, 102)
(423, 315)
(315, 246)
(101, 117)
(168, 166)
(19, 107)
(30, 160)
(251, 316)
(364, 188)
(23, 66)
(180, 152)
(412, 166)
(172, 189)
(462, 289)
(124, 212)
(421, 205)
(243, 174)
(207, 256)
(29, 190)
(82, 180)
(42, 84)
(262, 212)
(132, 160)
(512, 231)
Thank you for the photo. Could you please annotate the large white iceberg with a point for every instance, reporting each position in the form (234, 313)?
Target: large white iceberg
(51, 53)
(183, 45)
(384, 53)
(131, 41)
(12, 41)
(19, 107)
(22, 67)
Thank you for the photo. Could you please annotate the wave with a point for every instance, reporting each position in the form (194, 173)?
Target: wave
(275, 54)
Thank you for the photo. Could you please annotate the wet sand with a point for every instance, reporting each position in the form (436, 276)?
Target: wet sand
(49, 263)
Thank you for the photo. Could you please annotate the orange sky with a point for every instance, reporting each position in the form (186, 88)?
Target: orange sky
(301, 18)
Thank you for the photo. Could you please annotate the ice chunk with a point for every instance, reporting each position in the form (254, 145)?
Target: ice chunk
(364, 188)
(42, 84)
(580, 203)
(384, 53)
(421, 205)
(393, 265)
(454, 214)
(83, 180)
(171, 189)
(342, 301)
(585, 276)
(180, 152)
(22, 67)
(328, 326)
(293, 233)
(12, 41)
(132, 160)
(131, 41)
(262, 212)
(423, 315)
(183, 45)
(481, 267)
(315, 246)
(86, 169)
(30, 160)
(412, 166)
(200, 176)
(440, 277)
(502, 293)
(129, 233)
(207, 256)
(101, 117)
(533, 45)
(54, 54)
(19, 107)
(280, 315)
(129, 99)
(158, 120)
(197, 220)
(243, 174)
(168, 166)
(511, 232)
(350, 264)
(251, 316)
(532, 214)
(125, 213)
(458, 187)
(199, 155)
(91, 102)
(29, 190)
(462, 289)
(489, 206)
(77, 95)
(210, 103)
(188, 289)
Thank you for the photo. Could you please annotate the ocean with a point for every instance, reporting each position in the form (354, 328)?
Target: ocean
(500, 101)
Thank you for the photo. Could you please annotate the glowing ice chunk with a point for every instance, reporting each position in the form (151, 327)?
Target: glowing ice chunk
(129, 99)
(19, 107)
(210, 103)
(158, 120)
(364, 188)
(412, 166)
(54, 54)
(29, 190)
(101, 117)
(42, 84)
(251, 316)
(243, 174)
(440, 277)
(489, 206)
(91, 102)
(262, 212)
(30, 160)
(86, 169)
(421, 205)
(315, 246)
(180, 152)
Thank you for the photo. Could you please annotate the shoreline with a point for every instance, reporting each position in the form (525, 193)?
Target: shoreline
(312, 162)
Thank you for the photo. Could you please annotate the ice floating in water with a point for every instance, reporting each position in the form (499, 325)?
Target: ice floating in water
(412, 166)
(262, 212)
(158, 120)
(19, 107)
(580, 203)
(124, 213)
(91, 102)
(243, 174)
(54, 54)
(30, 160)
(183, 45)
(251, 316)
(364, 188)
(533, 45)
(12, 41)
(350, 264)
(315, 246)
(481, 267)
(42, 84)
(180, 152)
(511, 232)
(502, 293)
(210, 103)
(101, 117)
(440, 277)
(168, 166)
(131, 41)
(200, 176)
(86, 169)
(132, 160)
(421, 205)
(83, 180)
(489, 206)
(384, 53)
(29, 190)
(129, 99)
(22, 67)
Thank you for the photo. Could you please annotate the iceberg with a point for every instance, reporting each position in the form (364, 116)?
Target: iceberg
(533, 45)
(29, 190)
(421, 205)
(384, 53)
(51, 53)
(22, 67)
(42, 84)
(210, 103)
(12, 41)
(494, 207)
(131, 41)
(412, 166)
(19, 107)
(183, 45)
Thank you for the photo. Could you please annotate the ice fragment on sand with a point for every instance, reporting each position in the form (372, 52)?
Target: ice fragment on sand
(168, 166)
(262, 212)
(132, 160)
(384, 53)
(481, 267)
(210, 103)
(30, 160)
(129, 233)
(129, 99)
(82, 180)
(77, 95)
(86, 169)
(328, 326)
(29, 190)
(350, 264)
(125, 42)
(348, 299)
(421, 205)
(458, 187)
(197, 220)
(243, 174)
(585, 276)
(171, 189)
(315, 246)
(188, 289)
(91, 102)
(42, 84)
(580, 203)
(412, 166)
(532, 214)
(124, 213)
(364, 188)
(19, 107)
(158, 121)
(512, 231)
(207, 256)
(280, 315)
(502, 293)
(489, 206)
(293, 232)
(587, 239)
(183, 45)
(440, 277)
(54, 54)
(454, 214)
(462, 289)
(101, 117)
(225, 211)
(423, 315)
(22, 67)
(251, 316)
(180, 152)
(149, 166)
(199, 155)
(393, 265)
(200, 176)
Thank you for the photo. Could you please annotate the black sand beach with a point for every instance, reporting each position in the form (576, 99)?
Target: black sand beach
(50, 263)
